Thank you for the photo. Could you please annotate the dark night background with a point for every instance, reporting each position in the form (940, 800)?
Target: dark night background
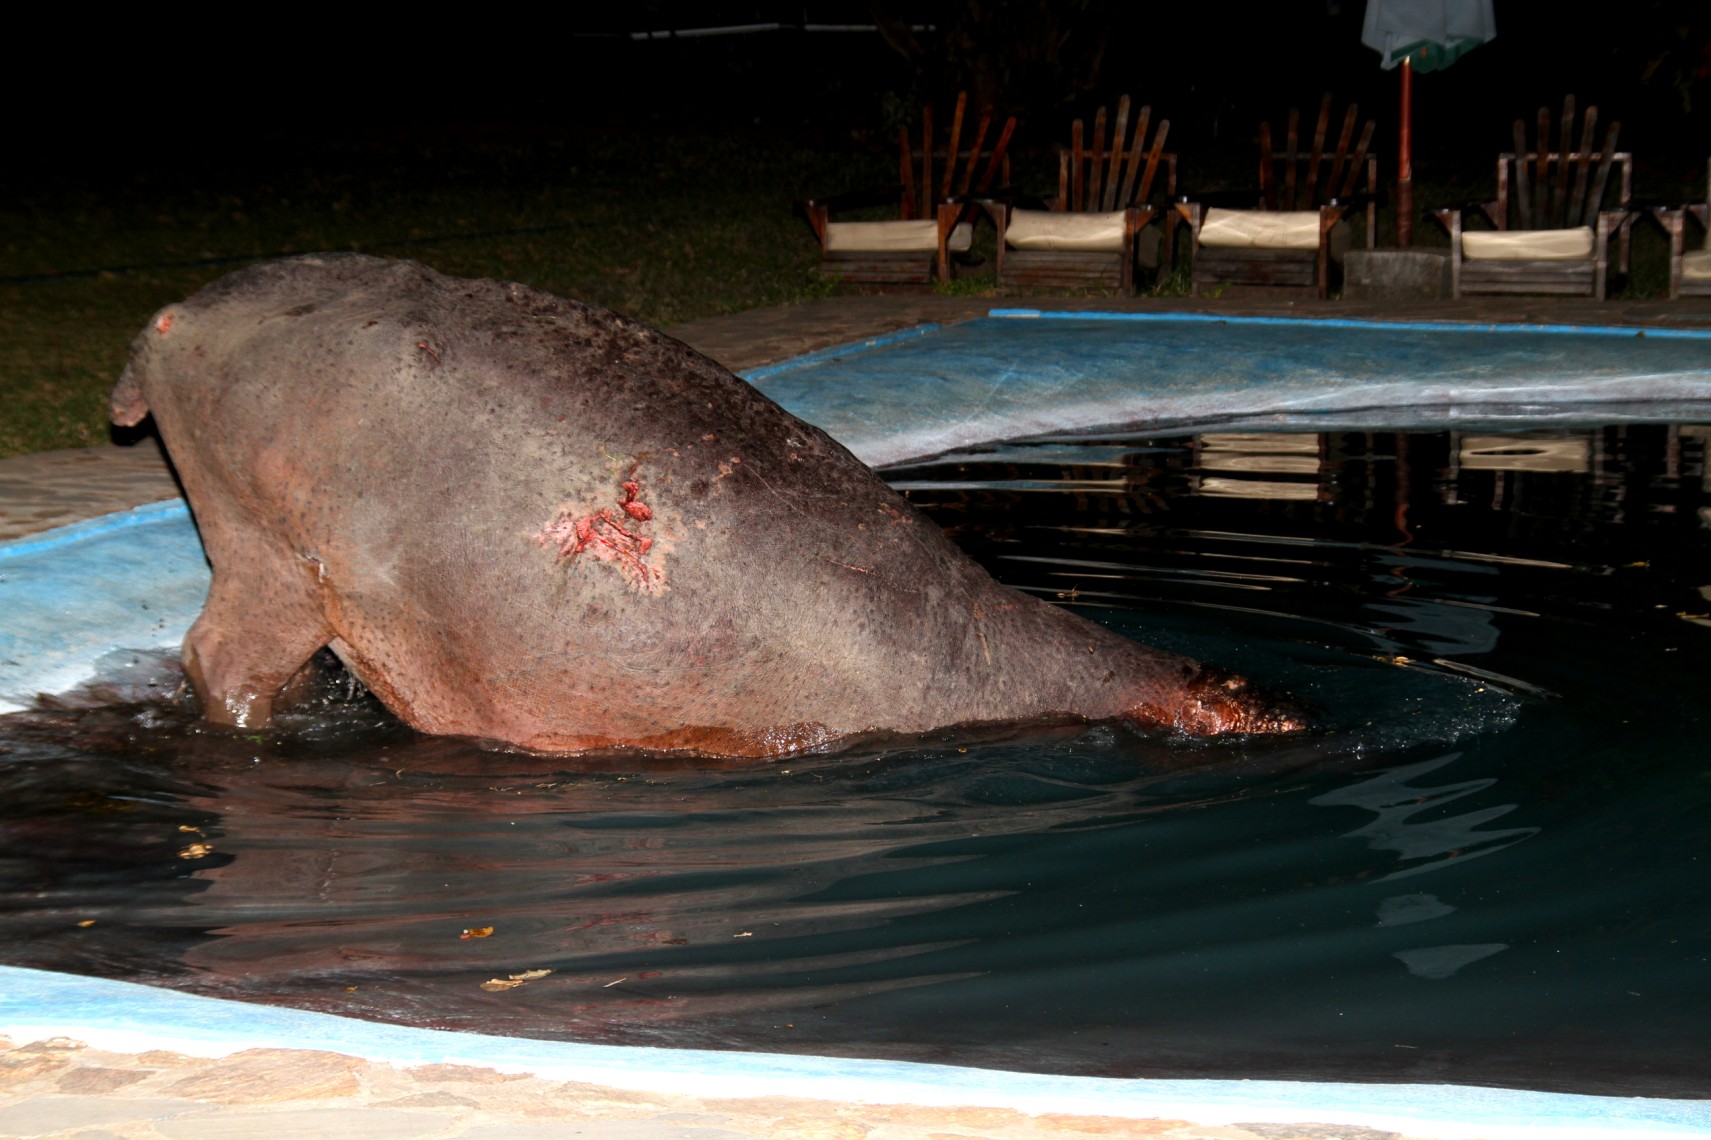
(98, 102)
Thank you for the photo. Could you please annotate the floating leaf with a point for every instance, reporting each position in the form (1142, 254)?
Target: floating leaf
(496, 985)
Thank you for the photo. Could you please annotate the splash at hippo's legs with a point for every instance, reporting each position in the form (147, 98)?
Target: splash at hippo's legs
(261, 624)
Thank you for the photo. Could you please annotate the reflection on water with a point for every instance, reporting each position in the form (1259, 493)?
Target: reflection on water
(1427, 843)
(1485, 867)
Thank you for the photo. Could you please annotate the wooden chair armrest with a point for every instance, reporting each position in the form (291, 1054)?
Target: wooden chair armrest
(1668, 215)
(1193, 213)
(1450, 218)
(816, 215)
(1330, 214)
(1614, 221)
(1462, 211)
(1135, 219)
(1673, 221)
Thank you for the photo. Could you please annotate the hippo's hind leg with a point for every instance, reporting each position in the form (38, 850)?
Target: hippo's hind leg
(262, 622)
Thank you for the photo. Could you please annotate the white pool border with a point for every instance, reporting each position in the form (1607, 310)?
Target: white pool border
(126, 1017)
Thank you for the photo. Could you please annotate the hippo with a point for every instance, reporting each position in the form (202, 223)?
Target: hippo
(536, 522)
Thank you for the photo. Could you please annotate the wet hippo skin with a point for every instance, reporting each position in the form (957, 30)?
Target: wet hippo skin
(534, 521)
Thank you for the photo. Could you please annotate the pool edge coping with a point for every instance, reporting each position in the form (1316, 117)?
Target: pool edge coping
(131, 1017)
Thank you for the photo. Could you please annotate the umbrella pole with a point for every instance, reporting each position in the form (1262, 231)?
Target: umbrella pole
(1405, 162)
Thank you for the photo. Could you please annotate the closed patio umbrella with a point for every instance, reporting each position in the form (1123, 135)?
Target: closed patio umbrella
(1423, 35)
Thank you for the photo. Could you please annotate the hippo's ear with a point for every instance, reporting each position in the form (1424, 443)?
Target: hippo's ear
(127, 408)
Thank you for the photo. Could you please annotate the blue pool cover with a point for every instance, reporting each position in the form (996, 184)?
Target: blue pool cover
(135, 579)
(1020, 372)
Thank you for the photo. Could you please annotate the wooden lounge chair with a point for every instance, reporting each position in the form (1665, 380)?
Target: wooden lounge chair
(1689, 269)
(1555, 214)
(1309, 208)
(935, 208)
(1096, 229)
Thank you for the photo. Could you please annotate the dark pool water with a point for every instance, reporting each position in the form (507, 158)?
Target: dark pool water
(1489, 865)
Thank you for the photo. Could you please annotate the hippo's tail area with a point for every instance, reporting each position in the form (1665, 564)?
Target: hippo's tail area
(127, 408)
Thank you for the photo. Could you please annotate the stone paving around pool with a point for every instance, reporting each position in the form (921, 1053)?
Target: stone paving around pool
(60, 1087)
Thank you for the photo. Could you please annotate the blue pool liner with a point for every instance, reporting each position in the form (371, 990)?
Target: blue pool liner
(79, 595)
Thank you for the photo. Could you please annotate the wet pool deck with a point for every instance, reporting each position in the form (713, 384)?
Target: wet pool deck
(58, 1086)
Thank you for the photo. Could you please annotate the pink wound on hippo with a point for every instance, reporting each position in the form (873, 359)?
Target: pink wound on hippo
(633, 506)
(610, 535)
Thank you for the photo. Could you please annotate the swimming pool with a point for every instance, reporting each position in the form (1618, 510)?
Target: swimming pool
(1502, 633)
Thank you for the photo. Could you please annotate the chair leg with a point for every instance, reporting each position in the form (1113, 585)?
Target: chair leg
(1190, 214)
(1674, 223)
(1601, 252)
(999, 213)
(948, 217)
(1455, 255)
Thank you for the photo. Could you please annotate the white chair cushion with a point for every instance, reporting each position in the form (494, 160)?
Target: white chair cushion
(1050, 229)
(1528, 245)
(894, 237)
(1261, 229)
(1696, 265)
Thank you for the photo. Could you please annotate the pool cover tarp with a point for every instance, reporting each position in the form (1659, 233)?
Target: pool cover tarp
(72, 595)
(1021, 373)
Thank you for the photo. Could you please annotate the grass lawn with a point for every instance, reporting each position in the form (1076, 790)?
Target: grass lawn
(666, 229)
